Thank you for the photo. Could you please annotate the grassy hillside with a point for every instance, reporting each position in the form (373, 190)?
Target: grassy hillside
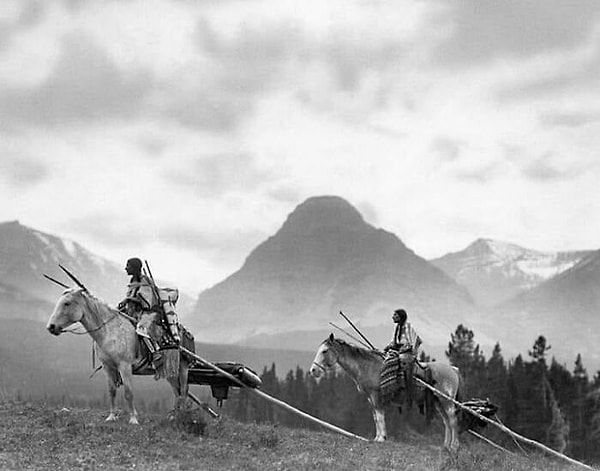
(38, 437)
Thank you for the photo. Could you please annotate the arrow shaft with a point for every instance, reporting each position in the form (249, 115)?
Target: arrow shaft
(357, 331)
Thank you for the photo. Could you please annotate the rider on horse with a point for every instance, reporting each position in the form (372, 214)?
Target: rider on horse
(396, 376)
(405, 336)
(143, 298)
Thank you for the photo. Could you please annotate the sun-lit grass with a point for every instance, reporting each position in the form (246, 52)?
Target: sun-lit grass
(33, 436)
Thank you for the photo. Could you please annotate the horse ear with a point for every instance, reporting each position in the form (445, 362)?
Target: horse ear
(331, 336)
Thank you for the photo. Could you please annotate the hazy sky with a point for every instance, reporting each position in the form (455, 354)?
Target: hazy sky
(184, 132)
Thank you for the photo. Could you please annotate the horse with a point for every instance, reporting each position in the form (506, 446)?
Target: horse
(118, 345)
(364, 367)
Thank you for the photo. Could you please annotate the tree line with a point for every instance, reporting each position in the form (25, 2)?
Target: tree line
(537, 397)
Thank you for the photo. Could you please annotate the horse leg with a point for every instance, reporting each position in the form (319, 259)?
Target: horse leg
(453, 421)
(448, 413)
(442, 412)
(379, 419)
(127, 383)
(112, 377)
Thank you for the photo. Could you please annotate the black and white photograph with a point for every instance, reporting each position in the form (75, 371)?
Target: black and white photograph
(284, 235)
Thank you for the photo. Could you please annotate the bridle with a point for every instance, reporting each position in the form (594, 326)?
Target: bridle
(91, 330)
(323, 367)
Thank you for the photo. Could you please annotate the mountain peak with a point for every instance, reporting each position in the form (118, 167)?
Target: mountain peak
(494, 270)
(320, 212)
(504, 250)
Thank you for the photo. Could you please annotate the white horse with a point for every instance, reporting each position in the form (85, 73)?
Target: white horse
(118, 345)
(364, 367)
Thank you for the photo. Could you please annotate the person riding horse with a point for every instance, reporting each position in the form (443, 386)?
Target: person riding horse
(141, 299)
(405, 336)
(395, 374)
(140, 296)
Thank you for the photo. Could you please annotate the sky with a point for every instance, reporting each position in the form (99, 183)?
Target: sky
(184, 132)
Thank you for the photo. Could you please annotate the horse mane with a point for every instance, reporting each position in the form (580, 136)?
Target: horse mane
(95, 305)
(356, 351)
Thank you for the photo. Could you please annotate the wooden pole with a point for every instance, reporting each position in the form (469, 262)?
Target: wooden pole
(505, 429)
(487, 440)
(357, 331)
(350, 335)
(203, 405)
(271, 398)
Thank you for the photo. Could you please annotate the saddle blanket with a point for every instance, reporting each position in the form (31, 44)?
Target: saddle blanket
(390, 378)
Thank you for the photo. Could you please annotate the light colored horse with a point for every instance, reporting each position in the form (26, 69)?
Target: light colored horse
(117, 341)
(364, 367)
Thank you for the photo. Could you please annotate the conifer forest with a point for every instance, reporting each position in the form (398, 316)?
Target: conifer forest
(536, 396)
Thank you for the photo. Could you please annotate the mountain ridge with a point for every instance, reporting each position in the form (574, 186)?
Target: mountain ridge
(26, 254)
(494, 271)
(325, 257)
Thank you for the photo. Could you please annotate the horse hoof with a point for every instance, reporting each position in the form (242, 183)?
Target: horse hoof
(111, 418)
(133, 421)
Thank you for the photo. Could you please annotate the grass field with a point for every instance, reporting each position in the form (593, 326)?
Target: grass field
(36, 437)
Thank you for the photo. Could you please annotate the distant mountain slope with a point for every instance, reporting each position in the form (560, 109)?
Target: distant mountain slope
(14, 303)
(494, 271)
(566, 309)
(323, 259)
(26, 254)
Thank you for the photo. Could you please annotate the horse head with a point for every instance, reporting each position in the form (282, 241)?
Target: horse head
(325, 358)
(67, 311)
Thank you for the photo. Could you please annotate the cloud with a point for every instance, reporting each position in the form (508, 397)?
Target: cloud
(107, 228)
(85, 86)
(31, 14)
(227, 246)
(486, 30)
(480, 174)
(447, 149)
(258, 60)
(572, 119)
(565, 79)
(22, 171)
(548, 167)
(213, 175)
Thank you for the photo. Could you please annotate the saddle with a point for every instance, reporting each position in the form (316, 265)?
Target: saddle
(397, 377)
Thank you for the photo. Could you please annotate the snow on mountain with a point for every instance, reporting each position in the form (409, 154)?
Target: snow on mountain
(26, 254)
(494, 271)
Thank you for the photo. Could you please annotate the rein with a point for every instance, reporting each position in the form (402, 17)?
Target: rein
(324, 368)
(92, 330)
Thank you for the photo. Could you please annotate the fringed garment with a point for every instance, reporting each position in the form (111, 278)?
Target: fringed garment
(391, 377)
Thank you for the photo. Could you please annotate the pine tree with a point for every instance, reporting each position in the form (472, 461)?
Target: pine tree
(465, 354)
(579, 425)
(497, 378)
(540, 348)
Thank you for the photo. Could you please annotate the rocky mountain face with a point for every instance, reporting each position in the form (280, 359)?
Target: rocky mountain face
(564, 309)
(495, 271)
(326, 258)
(26, 254)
